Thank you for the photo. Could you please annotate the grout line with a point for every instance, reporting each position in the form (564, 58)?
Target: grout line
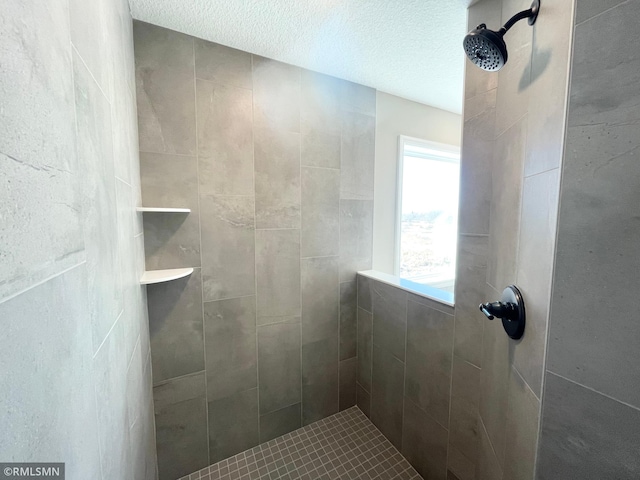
(475, 235)
(321, 168)
(43, 281)
(225, 298)
(108, 334)
(204, 327)
(525, 177)
(124, 181)
(172, 154)
(484, 428)
(179, 377)
(92, 76)
(300, 253)
(255, 245)
(602, 13)
(565, 110)
(593, 390)
(404, 368)
(227, 85)
(278, 409)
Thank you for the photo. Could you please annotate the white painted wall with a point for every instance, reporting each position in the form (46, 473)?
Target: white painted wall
(396, 116)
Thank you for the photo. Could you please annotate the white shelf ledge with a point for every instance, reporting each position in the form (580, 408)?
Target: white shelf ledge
(159, 276)
(163, 210)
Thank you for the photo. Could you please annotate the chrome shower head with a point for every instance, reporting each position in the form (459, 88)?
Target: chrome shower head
(486, 48)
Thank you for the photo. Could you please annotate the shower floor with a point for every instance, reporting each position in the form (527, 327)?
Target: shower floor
(344, 446)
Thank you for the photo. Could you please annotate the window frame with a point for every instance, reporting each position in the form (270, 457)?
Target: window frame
(403, 141)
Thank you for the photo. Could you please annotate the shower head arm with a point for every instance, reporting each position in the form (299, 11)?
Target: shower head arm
(531, 14)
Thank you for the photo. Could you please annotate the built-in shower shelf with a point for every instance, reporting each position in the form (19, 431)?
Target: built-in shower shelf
(158, 276)
(163, 210)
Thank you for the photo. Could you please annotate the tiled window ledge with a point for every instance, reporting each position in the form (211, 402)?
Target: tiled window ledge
(425, 291)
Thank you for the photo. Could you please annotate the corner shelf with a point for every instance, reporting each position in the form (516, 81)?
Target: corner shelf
(163, 210)
(158, 276)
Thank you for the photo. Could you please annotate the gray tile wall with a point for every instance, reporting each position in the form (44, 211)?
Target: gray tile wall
(403, 371)
(276, 164)
(512, 147)
(592, 392)
(76, 355)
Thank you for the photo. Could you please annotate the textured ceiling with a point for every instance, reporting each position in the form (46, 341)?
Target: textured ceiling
(409, 48)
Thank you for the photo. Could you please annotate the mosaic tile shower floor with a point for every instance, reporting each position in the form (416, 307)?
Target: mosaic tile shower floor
(344, 446)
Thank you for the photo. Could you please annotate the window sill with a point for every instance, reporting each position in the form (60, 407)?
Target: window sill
(425, 291)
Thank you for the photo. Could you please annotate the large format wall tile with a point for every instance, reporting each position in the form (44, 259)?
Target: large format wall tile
(386, 395)
(586, 435)
(523, 416)
(487, 467)
(348, 320)
(320, 379)
(320, 115)
(390, 319)
(470, 292)
(348, 383)
(424, 443)
(233, 424)
(320, 120)
(279, 364)
(363, 400)
(475, 186)
(494, 383)
(318, 149)
(604, 86)
(365, 293)
(587, 426)
(222, 65)
(513, 82)
(429, 360)
(95, 149)
(357, 157)
(225, 139)
(176, 327)
(230, 339)
(171, 240)
(320, 222)
(549, 86)
(276, 95)
(110, 383)
(74, 383)
(463, 423)
(277, 179)
(589, 9)
(39, 200)
(228, 248)
(280, 422)
(261, 171)
(278, 273)
(505, 206)
(47, 326)
(320, 299)
(535, 265)
(356, 237)
(131, 289)
(597, 262)
(165, 90)
(181, 426)
(90, 36)
(365, 345)
(358, 98)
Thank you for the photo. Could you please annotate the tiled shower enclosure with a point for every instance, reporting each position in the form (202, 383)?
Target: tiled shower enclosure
(276, 165)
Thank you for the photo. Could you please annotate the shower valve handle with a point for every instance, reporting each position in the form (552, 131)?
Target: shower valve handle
(499, 309)
(510, 309)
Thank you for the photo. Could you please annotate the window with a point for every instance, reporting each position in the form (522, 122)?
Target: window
(427, 216)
